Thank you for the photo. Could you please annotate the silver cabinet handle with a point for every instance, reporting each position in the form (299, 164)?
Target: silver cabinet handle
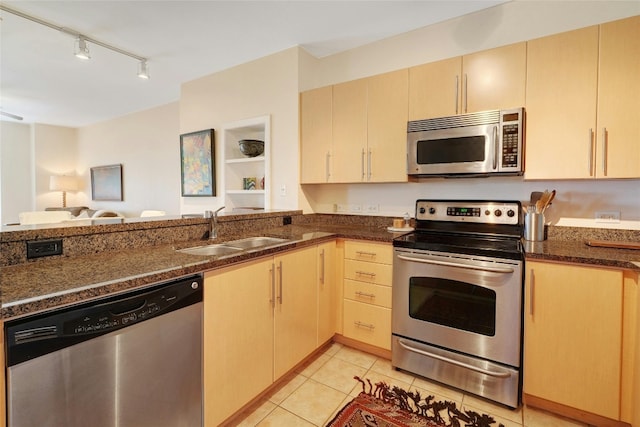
(590, 152)
(369, 166)
(360, 324)
(457, 91)
(272, 270)
(280, 274)
(362, 164)
(365, 273)
(464, 92)
(365, 295)
(327, 162)
(322, 266)
(367, 254)
(532, 285)
(605, 150)
(497, 374)
(505, 270)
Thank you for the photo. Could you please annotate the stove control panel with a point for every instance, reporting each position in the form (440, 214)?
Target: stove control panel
(469, 211)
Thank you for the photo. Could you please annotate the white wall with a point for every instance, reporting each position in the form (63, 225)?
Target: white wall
(147, 145)
(16, 166)
(267, 86)
(55, 153)
(505, 24)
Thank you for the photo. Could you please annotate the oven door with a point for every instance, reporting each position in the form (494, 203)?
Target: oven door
(469, 304)
(461, 150)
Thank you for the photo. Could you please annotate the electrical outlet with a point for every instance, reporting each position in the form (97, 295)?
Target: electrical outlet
(342, 208)
(355, 208)
(42, 248)
(283, 190)
(371, 208)
(608, 216)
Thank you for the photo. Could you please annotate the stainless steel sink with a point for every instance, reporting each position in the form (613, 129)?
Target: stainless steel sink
(256, 242)
(234, 246)
(218, 249)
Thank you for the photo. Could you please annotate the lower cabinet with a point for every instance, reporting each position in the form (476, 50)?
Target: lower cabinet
(327, 253)
(260, 320)
(367, 293)
(574, 354)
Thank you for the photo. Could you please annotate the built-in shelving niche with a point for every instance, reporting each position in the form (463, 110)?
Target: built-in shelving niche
(237, 166)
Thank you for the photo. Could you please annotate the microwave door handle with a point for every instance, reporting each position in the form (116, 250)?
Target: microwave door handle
(505, 270)
(496, 148)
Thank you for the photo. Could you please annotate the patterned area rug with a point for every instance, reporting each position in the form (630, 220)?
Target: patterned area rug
(385, 406)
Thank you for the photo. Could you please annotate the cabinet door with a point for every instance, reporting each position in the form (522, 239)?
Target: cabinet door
(561, 105)
(326, 291)
(434, 89)
(618, 151)
(238, 337)
(315, 135)
(296, 322)
(349, 114)
(387, 127)
(495, 79)
(572, 339)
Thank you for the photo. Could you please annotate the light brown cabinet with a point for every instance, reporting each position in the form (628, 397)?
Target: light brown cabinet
(326, 291)
(316, 135)
(487, 80)
(259, 322)
(573, 337)
(583, 94)
(365, 140)
(367, 293)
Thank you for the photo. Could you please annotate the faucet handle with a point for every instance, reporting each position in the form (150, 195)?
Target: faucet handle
(208, 214)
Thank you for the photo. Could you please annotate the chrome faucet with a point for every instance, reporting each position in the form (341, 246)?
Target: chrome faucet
(213, 223)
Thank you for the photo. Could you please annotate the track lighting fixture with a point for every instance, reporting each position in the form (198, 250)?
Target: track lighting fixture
(81, 48)
(143, 69)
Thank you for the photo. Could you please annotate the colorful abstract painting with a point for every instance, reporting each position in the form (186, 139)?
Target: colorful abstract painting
(198, 164)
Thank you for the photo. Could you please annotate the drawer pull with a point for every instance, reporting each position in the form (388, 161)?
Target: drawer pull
(367, 254)
(366, 273)
(368, 326)
(365, 295)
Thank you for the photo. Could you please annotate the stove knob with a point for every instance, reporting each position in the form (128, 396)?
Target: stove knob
(432, 210)
(498, 212)
(511, 213)
(422, 210)
(487, 212)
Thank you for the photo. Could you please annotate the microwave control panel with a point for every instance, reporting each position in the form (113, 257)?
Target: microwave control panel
(512, 135)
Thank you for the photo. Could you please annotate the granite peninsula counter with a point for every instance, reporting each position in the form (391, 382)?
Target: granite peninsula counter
(88, 273)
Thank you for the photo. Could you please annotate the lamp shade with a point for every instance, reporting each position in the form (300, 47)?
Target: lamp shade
(63, 183)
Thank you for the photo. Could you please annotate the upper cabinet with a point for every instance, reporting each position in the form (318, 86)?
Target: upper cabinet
(487, 80)
(355, 131)
(583, 96)
(246, 178)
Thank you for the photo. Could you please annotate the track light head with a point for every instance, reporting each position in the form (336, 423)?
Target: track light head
(82, 50)
(143, 69)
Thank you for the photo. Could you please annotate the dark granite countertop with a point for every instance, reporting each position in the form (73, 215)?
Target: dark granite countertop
(577, 251)
(35, 287)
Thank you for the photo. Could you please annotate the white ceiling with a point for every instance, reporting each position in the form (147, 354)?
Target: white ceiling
(42, 81)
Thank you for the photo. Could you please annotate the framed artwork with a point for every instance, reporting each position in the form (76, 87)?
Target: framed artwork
(106, 182)
(197, 164)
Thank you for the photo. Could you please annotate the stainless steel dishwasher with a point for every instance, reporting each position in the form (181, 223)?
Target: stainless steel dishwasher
(133, 360)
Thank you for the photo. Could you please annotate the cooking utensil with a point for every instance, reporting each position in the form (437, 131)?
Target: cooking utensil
(550, 198)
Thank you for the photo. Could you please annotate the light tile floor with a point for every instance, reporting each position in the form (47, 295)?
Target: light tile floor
(314, 394)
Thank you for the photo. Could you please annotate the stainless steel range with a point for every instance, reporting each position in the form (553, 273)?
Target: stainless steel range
(457, 297)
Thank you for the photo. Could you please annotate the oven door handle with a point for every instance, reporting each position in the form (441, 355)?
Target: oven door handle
(455, 264)
(455, 362)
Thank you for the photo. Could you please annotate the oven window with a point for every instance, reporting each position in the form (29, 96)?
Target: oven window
(455, 304)
(451, 150)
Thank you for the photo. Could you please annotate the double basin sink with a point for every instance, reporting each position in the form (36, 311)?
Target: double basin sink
(235, 246)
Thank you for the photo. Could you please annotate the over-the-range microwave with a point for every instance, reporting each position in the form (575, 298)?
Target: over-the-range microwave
(482, 144)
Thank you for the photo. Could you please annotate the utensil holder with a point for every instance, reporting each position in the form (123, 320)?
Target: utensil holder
(534, 226)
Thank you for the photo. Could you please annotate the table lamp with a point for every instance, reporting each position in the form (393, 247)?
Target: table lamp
(64, 184)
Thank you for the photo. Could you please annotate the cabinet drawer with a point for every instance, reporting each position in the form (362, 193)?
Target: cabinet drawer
(367, 323)
(370, 272)
(367, 293)
(371, 252)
